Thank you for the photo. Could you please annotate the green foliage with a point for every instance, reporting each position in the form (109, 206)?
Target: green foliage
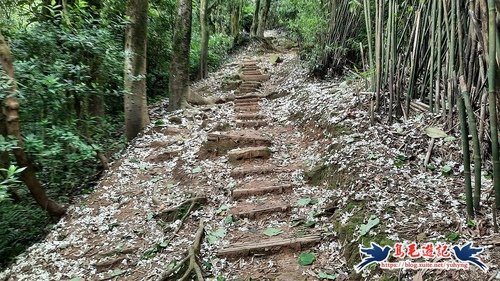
(9, 180)
(20, 225)
(62, 65)
(219, 46)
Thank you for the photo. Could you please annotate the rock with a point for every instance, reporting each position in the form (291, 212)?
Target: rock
(275, 59)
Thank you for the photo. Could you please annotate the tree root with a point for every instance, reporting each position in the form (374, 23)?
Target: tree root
(174, 213)
(189, 264)
(196, 99)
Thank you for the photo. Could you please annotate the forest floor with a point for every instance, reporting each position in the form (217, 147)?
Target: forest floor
(324, 182)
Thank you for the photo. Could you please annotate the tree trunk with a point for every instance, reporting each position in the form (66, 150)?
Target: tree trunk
(179, 67)
(235, 19)
(12, 127)
(255, 22)
(205, 37)
(264, 12)
(136, 107)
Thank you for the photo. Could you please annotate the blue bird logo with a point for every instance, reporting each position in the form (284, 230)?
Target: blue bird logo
(373, 254)
(467, 253)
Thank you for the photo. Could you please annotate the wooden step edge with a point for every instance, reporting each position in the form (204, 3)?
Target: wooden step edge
(260, 140)
(270, 246)
(244, 102)
(250, 116)
(247, 96)
(238, 154)
(248, 192)
(257, 78)
(251, 123)
(247, 109)
(260, 211)
(243, 172)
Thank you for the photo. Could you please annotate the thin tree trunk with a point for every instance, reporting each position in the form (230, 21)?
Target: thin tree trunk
(12, 127)
(255, 22)
(136, 107)
(492, 65)
(205, 37)
(179, 67)
(264, 12)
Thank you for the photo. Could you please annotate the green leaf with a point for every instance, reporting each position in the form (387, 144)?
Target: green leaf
(452, 236)
(271, 231)
(220, 278)
(197, 170)
(76, 279)
(365, 228)
(435, 133)
(306, 258)
(171, 265)
(228, 219)
(446, 170)
(471, 223)
(275, 59)
(324, 275)
(215, 236)
(310, 223)
(223, 208)
(450, 139)
(297, 222)
(304, 201)
(150, 253)
(116, 272)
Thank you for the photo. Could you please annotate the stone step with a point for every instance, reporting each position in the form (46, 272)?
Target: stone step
(252, 101)
(251, 123)
(250, 116)
(219, 143)
(247, 102)
(251, 72)
(257, 211)
(269, 246)
(250, 68)
(251, 83)
(249, 62)
(258, 78)
(250, 108)
(247, 90)
(249, 153)
(241, 172)
(248, 192)
(250, 86)
(247, 96)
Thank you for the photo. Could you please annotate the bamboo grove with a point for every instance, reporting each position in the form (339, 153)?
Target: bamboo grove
(443, 56)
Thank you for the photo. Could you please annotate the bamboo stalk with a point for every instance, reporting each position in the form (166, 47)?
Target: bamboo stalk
(492, 100)
(471, 119)
(466, 154)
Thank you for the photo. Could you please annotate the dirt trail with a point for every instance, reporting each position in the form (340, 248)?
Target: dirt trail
(261, 203)
(297, 173)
